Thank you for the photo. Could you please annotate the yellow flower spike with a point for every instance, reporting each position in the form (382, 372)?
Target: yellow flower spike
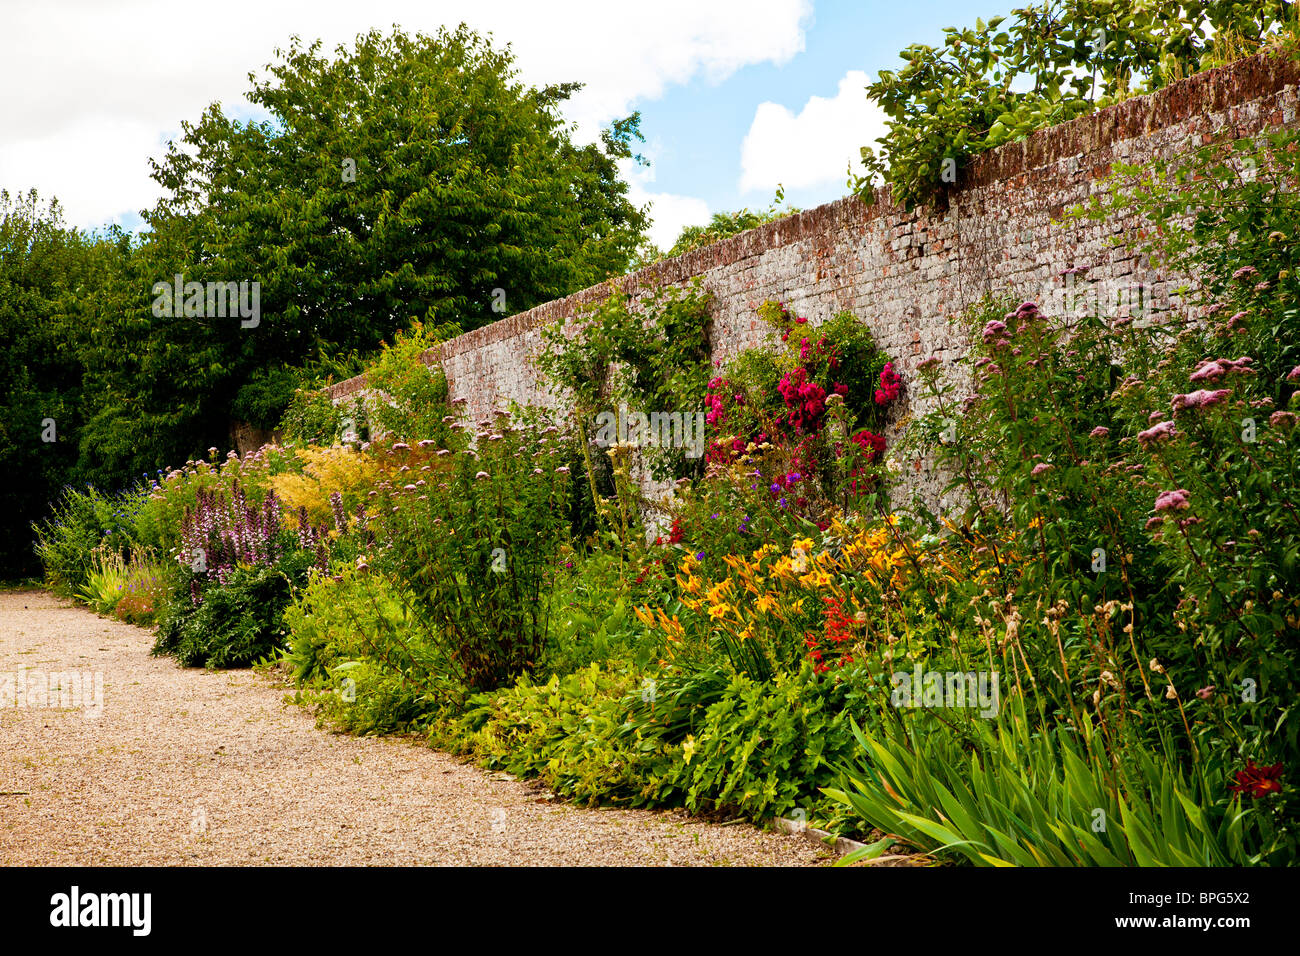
(645, 616)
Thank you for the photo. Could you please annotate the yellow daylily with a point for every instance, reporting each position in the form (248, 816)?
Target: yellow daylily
(720, 590)
(815, 579)
(719, 611)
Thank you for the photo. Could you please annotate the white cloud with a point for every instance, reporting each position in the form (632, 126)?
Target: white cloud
(96, 86)
(669, 212)
(815, 147)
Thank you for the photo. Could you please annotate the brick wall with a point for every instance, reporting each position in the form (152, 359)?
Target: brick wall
(905, 274)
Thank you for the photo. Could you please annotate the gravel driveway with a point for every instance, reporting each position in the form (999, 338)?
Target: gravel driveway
(191, 767)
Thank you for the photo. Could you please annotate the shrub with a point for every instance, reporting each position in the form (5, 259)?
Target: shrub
(413, 396)
(240, 621)
(82, 525)
(311, 418)
(131, 590)
(366, 658)
(334, 470)
(475, 535)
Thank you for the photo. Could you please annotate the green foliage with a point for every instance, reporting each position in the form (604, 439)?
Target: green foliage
(363, 657)
(1004, 79)
(998, 793)
(766, 748)
(47, 275)
(723, 225)
(311, 418)
(592, 621)
(406, 176)
(82, 525)
(238, 623)
(651, 355)
(700, 740)
(105, 583)
(413, 396)
(477, 550)
(564, 731)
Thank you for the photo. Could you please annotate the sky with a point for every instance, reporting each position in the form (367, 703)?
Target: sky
(736, 96)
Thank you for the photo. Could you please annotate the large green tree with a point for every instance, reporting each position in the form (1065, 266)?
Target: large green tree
(405, 178)
(48, 273)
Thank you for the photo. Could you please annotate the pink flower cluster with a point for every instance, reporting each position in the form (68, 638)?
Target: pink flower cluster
(890, 385)
(714, 402)
(806, 400)
(1158, 432)
(869, 442)
(1201, 398)
(1173, 500)
(1027, 312)
(995, 334)
(788, 320)
(1282, 420)
(1211, 370)
(873, 446)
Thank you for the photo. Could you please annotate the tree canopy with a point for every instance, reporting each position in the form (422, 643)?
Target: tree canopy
(404, 179)
(1000, 80)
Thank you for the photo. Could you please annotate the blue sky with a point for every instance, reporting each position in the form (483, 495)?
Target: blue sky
(700, 125)
(735, 95)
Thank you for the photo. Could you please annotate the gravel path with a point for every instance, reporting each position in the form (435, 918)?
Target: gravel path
(191, 767)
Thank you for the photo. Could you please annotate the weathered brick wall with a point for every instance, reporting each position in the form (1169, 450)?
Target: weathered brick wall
(905, 274)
